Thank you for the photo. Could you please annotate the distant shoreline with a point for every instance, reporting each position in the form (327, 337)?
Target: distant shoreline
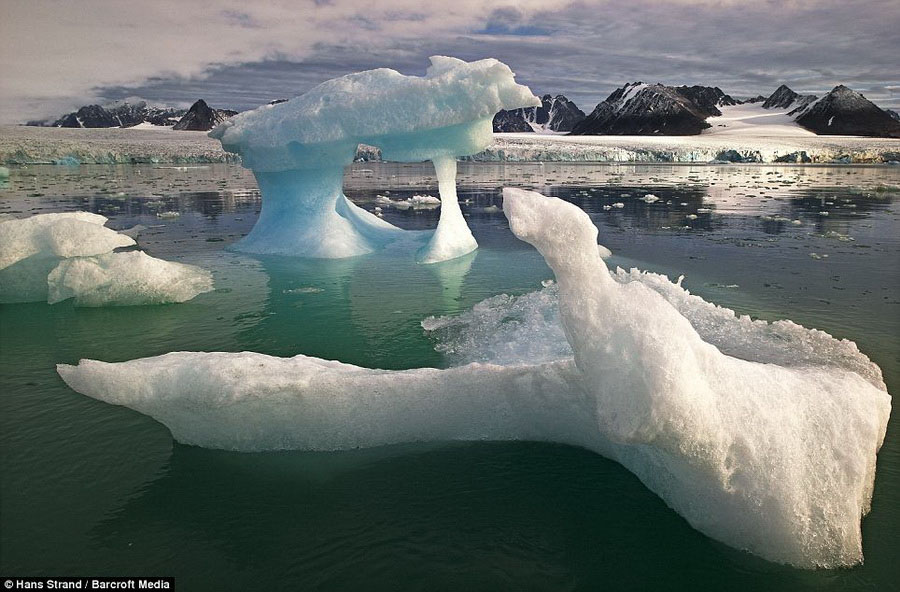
(42, 145)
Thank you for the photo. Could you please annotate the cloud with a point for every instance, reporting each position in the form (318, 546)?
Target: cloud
(57, 55)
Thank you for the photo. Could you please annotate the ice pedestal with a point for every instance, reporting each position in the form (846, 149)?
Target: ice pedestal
(305, 212)
(298, 149)
(452, 238)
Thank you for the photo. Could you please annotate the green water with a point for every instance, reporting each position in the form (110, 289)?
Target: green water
(91, 489)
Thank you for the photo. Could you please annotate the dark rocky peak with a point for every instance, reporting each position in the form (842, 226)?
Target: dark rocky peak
(558, 113)
(118, 114)
(781, 98)
(644, 109)
(555, 113)
(88, 116)
(202, 117)
(618, 94)
(844, 111)
(756, 99)
(706, 98)
(511, 121)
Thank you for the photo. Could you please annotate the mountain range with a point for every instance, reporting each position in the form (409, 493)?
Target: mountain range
(656, 109)
(124, 114)
(634, 109)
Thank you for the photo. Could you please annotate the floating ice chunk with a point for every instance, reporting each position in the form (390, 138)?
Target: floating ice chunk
(770, 449)
(774, 459)
(604, 252)
(4, 172)
(251, 402)
(31, 247)
(297, 150)
(125, 279)
(58, 256)
(424, 200)
(57, 235)
(650, 198)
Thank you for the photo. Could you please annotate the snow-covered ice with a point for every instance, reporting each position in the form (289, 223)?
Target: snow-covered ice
(743, 133)
(58, 256)
(763, 436)
(297, 150)
(124, 279)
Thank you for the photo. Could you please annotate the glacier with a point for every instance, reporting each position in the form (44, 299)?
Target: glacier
(54, 257)
(761, 435)
(298, 149)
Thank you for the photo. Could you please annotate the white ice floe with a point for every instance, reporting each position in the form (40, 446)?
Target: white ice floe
(125, 279)
(58, 256)
(69, 234)
(298, 149)
(762, 435)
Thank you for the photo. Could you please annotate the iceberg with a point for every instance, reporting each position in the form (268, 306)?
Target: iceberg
(298, 149)
(761, 435)
(54, 257)
(125, 279)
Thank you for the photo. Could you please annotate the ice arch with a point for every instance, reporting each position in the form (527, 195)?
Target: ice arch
(298, 150)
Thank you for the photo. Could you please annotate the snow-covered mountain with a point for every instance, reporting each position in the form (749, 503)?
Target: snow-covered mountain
(845, 112)
(508, 122)
(557, 114)
(130, 114)
(785, 98)
(117, 114)
(653, 109)
(706, 98)
(202, 117)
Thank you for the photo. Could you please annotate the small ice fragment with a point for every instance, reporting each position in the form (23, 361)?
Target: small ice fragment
(125, 279)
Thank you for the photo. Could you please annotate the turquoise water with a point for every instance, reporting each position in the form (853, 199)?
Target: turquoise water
(92, 489)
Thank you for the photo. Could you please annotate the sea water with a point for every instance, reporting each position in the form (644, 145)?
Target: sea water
(91, 488)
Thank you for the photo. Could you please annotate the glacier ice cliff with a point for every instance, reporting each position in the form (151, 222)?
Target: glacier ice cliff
(298, 150)
(761, 435)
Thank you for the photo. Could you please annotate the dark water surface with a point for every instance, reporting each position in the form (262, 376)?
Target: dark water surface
(87, 488)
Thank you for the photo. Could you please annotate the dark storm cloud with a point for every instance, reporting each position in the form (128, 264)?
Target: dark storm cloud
(584, 50)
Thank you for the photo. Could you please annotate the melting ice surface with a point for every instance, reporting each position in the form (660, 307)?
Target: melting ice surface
(54, 257)
(298, 150)
(763, 436)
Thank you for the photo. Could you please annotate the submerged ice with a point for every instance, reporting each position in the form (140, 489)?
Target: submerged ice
(763, 436)
(298, 150)
(55, 257)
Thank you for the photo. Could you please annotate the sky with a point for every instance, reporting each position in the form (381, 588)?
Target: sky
(56, 55)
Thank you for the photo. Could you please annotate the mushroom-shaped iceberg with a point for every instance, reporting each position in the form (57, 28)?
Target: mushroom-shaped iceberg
(298, 150)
